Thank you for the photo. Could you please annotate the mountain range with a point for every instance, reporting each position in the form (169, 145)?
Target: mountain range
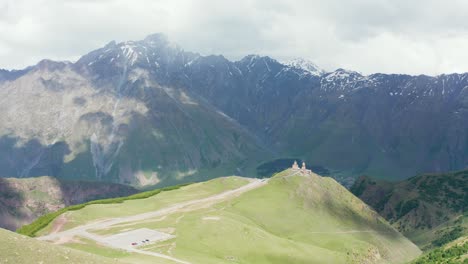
(149, 113)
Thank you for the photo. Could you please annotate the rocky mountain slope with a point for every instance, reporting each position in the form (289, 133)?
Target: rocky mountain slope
(24, 200)
(115, 122)
(293, 217)
(147, 112)
(430, 209)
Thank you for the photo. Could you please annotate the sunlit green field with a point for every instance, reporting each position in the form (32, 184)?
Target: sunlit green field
(132, 207)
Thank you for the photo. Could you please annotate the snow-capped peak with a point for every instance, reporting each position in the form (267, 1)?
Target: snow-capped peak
(343, 74)
(305, 65)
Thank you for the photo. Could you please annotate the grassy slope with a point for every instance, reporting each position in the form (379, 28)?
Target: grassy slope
(427, 208)
(16, 248)
(440, 235)
(132, 207)
(276, 224)
(453, 252)
(290, 220)
(45, 220)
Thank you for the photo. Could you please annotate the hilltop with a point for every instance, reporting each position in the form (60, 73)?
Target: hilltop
(430, 209)
(293, 217)
(24, 200)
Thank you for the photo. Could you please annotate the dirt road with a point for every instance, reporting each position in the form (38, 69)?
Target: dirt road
(184, 206)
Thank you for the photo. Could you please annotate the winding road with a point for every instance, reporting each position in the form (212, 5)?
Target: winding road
(183, 206)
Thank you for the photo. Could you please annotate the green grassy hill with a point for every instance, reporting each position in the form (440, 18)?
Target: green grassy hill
(290, 219)
(430, 209)
(16, 248)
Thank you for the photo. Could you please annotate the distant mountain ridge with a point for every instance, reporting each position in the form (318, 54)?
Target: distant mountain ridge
(147, 112)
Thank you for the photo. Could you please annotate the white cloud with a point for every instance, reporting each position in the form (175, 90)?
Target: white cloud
(365, 35)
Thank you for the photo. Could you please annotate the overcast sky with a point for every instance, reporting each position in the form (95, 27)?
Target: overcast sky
(391, 36)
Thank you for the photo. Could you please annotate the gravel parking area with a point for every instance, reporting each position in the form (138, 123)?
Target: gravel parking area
(140, 237)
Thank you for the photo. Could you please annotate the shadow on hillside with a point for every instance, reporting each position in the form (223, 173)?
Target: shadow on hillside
(173, 151)
(356, 213)
(77, 192)
(31, 158)
(11, 203)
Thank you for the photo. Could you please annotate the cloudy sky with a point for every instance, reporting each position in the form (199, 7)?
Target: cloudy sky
(392, 36)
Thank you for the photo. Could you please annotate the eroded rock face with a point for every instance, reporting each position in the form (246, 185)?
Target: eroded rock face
(24, 200)
(150, 108)
(61, 111)
(114, 121)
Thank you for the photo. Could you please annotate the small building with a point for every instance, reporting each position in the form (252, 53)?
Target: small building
(295, 166)
(303, 169)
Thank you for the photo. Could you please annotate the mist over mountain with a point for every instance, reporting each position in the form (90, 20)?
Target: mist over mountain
(147, 112)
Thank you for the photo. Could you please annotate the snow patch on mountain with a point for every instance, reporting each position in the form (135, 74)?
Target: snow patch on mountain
(128, 50)
(305, 65)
